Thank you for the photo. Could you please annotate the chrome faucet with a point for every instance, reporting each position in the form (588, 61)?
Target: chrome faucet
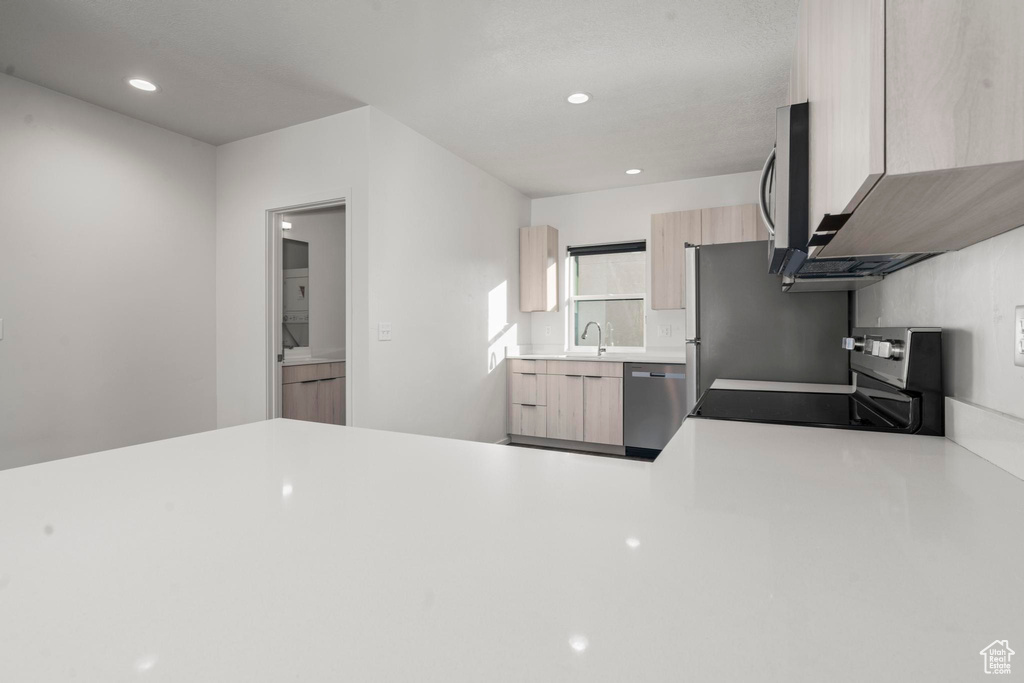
(600, 349)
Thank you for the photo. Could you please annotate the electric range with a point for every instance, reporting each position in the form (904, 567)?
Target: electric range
(896, 386)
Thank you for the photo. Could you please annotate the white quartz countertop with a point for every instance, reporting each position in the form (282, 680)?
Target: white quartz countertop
(606, 357)
(803, 387)
(295, 551)
(310, 361)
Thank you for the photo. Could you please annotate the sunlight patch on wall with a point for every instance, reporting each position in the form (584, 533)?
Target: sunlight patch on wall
(496, 351)
(497, 310)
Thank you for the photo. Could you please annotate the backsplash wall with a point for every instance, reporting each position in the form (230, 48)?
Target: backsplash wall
(971, 294)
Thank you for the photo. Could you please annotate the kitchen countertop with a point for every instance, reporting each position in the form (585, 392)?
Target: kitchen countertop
(310, 361)
(607, 357)
(287, 550)
(803, 387)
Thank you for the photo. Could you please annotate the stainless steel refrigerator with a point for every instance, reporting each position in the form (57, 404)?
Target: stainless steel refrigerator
(741, 325)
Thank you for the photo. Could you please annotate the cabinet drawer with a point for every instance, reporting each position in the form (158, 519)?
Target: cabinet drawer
(291, 374)
(531, 389)
(538, 367)
(584, 368)
(528, 420)
(307, 373)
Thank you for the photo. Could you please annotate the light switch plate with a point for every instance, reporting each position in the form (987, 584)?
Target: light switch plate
(383, 331)
(1018, 337)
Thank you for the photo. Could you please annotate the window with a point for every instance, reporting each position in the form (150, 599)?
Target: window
(608, 285)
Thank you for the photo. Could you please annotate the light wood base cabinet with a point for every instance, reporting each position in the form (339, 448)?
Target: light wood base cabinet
(314, 392)
(565, 407)
(602, 410)
(576, 401)
(528, 420)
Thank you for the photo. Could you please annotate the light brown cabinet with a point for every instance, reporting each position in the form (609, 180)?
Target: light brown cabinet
(314, 392)
(565, 407)
(723, 224)
(602, 410)
(566, 400)
(670, 232)
(846, 86)
(538, 269)
(916, 122)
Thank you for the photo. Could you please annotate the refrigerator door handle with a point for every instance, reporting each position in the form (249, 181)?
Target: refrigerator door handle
(691, 265)
(692, 373)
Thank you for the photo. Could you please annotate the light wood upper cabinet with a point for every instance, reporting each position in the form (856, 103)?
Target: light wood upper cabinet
(916, 122)
(602, 410)
(565, 407)
(725, 224)
(538, 269)
(846, 91)
(669, 234)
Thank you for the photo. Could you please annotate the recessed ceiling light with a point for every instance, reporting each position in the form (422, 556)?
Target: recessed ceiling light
(142, 84)
(578, 98)
(634, 171)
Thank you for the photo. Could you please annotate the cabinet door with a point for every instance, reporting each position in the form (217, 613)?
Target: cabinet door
(331, 401)
(846, 94)
(299, 401)
(602, 410)
(565, 407)
(669, 234)
(538, 269)
(725, 224)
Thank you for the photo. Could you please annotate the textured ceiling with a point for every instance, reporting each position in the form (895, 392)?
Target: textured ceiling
(680, 88)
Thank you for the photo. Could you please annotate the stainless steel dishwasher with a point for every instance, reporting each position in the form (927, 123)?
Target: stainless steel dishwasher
(654, 405)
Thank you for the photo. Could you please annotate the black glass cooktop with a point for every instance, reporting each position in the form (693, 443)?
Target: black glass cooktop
(850, 411)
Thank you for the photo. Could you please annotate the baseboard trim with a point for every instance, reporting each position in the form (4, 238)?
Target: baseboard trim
(996, 437)
(562, 444)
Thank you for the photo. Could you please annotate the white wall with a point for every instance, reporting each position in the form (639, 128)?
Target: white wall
(971, 294)
(625, 214)
(106, 279)
(324, 231)
(434, 252)
(444, 255)
(310, 162)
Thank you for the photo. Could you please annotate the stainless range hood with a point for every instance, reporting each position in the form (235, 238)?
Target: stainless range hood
(784, 203)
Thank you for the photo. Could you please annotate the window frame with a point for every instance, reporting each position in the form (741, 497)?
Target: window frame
(574, 298)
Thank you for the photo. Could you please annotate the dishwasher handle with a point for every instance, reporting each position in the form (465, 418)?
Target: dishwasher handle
(658, 375)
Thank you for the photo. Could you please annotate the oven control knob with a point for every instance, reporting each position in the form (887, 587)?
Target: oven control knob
(853, 343)
(890, 348)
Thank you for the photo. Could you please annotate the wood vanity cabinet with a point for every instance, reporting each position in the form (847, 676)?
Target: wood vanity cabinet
(916, 122)
(538, 269)
(314, 392)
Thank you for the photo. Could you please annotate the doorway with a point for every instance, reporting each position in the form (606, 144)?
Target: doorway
(309, 312)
